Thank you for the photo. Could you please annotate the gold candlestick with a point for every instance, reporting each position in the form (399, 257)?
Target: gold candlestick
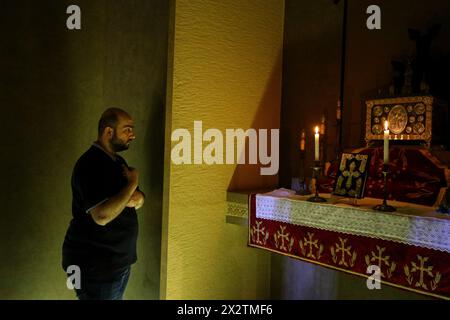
(384, 206)
(316, 174)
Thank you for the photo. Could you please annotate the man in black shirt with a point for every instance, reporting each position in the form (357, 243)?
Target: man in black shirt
(101, 238)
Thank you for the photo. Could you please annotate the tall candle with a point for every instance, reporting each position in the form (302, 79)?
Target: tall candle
(302, 141)
(386, 142)
(316, 145)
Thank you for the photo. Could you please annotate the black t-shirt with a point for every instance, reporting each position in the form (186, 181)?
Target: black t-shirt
(99, 251)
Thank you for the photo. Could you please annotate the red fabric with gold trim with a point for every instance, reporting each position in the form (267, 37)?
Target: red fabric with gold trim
(414, 176)
(409, 267)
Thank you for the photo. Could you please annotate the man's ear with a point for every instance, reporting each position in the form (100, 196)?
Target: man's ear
(109, 132)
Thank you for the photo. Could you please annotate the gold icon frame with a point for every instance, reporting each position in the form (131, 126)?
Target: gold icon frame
(410, 118)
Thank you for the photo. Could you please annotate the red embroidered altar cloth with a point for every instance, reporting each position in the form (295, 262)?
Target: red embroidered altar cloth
(411, 247)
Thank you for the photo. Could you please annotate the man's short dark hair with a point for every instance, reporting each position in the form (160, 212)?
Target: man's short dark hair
(109, 118)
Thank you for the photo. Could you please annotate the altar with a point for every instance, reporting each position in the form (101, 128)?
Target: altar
(411, 246)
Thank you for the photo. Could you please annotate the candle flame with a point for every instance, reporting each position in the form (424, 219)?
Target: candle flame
(317, 129)
(386, 125)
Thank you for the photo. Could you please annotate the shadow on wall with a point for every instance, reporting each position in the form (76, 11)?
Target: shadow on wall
(248, 176)
(154, 156)
(311, 63)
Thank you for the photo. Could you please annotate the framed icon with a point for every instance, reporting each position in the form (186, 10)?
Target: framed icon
(409, 118)
(352, 175)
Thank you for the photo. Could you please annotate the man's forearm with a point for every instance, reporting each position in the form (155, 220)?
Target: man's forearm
(110, 209)
(137, 200)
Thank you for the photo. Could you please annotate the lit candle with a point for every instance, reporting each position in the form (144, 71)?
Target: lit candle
(322, 125)
(386, 142)
(302, 141)
(316, 138)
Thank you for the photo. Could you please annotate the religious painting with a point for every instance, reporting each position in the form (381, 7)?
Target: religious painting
(352, 175)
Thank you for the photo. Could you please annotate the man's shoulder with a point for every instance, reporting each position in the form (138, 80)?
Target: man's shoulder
(121, 159)
(93, 157)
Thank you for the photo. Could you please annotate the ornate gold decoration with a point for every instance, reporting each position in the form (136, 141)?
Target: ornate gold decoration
(435, 281)
(423, 271)
(381, 261)
(315, 249)
(419, 108)
(407, 116)
(398, 119)
(344, 250)
(377, 111)
(259, 235)
(280, 237)
(351, 177)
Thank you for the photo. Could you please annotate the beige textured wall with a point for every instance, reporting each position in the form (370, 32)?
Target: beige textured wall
(225, 71)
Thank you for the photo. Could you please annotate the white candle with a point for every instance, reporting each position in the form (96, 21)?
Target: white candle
(386, 142)
(316, 140)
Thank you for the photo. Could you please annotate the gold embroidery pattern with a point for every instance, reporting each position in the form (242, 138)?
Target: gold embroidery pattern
(259, 235)
(282, 239)
(311, 244)
(422, 273)
(344, 250)
(380, 260)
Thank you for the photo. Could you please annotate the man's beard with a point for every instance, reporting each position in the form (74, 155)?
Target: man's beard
(117, 144)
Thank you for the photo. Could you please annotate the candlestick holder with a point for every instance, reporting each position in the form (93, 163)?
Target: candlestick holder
(316, 174)
(384, 206)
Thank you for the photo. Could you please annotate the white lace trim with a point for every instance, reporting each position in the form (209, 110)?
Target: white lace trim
(432, 233)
